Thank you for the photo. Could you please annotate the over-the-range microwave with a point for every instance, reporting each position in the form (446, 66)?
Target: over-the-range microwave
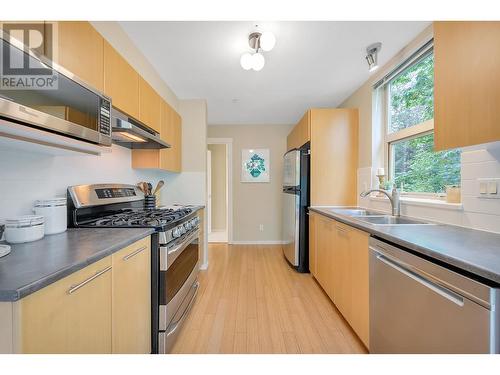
(38, 93)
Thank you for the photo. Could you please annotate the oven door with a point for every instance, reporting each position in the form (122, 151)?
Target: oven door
(178, 275)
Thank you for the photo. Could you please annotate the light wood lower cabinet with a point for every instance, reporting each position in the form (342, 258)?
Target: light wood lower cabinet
(341, 268)
(312, 243)
(325, 237)
(72, 315)
(103, 308)
(132, 299)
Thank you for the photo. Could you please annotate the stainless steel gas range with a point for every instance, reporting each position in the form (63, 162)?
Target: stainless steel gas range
(174, 248)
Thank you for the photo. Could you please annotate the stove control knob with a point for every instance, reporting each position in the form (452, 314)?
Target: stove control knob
(188, 225)
(194, 223)
(176, 233)
(182, 229)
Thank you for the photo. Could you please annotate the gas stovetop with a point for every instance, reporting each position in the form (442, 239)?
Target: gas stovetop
(135, 218)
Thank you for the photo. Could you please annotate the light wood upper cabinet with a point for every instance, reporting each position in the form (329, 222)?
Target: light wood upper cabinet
(301, 133)
(150, 106)
(121, 82)
(72, 315)
(466, 83)
(80, 49)
(334, 157)
(171, 159)
(132, 299)
(333, 137)
(168, 159)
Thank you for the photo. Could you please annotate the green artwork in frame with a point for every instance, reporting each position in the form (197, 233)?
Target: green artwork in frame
(255, 165)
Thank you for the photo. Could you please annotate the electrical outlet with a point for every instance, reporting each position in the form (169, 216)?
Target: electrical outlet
(261, 227)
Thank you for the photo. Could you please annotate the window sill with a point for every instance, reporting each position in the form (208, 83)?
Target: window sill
(426, 202)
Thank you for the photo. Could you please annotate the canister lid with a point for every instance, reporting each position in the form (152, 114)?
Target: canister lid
(52, 202)
(24, 221)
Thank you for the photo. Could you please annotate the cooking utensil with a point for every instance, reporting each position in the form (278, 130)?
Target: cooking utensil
(139, 185)
(158, 186)
(144, 187)
(150, 188)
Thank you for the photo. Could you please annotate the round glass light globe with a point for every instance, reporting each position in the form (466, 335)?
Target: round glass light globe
(258, 61)
(246, 61)
(267, 41)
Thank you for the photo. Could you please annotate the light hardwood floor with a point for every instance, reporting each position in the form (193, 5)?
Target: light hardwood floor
(251, 301)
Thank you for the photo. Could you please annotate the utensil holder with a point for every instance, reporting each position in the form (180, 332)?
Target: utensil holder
(150, 202)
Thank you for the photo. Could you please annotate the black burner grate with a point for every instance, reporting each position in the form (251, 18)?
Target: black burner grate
(141, 218)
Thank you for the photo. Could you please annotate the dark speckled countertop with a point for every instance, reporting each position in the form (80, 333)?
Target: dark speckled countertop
(32, 266)
(473, 251)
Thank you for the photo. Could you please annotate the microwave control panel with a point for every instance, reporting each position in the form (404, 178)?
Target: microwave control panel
(105, 117)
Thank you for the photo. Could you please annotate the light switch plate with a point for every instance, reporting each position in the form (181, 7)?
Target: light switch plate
(488, 188)
(492, 187)
(483, 188)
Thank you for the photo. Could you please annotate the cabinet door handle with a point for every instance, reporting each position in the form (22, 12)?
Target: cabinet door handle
(133, 254)
(74, 288)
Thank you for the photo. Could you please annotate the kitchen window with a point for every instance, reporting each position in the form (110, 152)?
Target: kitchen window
(408, 95)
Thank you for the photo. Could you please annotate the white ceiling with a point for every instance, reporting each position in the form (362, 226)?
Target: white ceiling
(314, 64)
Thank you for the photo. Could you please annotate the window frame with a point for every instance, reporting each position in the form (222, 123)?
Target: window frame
(414, 131)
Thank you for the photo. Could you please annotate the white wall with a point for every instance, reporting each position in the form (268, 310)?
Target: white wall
(256, 203)
(482, 161)
(26, 177)
(219, 188)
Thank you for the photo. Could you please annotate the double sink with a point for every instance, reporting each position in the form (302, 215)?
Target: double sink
(375, 217)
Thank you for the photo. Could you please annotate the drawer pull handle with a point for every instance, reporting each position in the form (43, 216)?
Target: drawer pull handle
(74, 288)
(131, 255)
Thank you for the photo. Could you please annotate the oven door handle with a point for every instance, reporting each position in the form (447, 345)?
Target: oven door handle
(188, 308)
(184, 243)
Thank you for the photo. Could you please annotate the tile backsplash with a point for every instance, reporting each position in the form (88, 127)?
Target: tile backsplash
(478, 162)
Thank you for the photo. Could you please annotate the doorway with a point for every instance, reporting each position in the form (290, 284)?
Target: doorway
(219, 191)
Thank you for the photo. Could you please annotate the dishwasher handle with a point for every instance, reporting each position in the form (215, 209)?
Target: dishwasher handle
(439, 289)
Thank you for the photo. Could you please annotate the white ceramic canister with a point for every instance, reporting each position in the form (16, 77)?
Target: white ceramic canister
(55, 214)
(24, 229)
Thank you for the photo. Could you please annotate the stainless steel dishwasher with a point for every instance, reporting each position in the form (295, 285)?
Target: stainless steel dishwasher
(417, 306)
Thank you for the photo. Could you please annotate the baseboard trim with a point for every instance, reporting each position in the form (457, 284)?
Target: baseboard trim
(256, 242)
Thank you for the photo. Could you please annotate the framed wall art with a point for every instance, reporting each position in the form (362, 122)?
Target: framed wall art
(255, 165)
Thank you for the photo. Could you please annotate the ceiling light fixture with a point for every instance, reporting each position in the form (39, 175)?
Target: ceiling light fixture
(258, 42)
(371, 55)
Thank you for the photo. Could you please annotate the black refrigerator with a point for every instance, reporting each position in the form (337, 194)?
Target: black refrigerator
(295, 204)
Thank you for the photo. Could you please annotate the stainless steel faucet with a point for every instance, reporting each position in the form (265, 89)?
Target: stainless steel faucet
(393, 198)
